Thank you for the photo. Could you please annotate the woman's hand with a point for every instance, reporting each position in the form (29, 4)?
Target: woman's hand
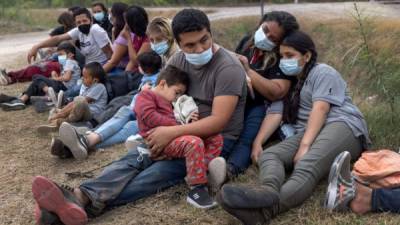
(244, 61)
(303, 149)
(256, 152)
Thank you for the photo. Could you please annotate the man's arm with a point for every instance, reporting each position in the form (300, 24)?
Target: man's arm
(222, 110)
(107, 50)
(50, 42)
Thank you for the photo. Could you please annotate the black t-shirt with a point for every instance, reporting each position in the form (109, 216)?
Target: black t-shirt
(106, 25)
(57, 31)
(271, 72)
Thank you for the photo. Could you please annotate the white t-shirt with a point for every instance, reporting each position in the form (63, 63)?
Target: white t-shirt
(91, 45)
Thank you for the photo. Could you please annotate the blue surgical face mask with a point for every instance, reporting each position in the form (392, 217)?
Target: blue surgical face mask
(290, 67)
(201, 58)
(62, 59)
(160, 48)
(99, 16)
(262, 42)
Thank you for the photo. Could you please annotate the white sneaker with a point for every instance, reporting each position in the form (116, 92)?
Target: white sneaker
(52, 95)
(60, 99)
(133, 141)
(216, 173)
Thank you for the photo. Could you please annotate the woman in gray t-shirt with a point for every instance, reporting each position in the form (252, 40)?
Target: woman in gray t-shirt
(327, 123)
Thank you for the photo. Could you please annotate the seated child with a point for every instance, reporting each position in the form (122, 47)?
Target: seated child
(91, 101)
(43, 86)
(153, 108)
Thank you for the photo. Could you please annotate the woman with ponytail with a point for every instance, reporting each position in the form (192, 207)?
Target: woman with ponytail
(327, 123)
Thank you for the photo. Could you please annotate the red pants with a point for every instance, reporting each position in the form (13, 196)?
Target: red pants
(197, 152)
(26, 74)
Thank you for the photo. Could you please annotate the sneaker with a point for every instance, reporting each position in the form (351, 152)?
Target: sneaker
(52, 95)
(133, 141)
(76, 142)
(5, 98)
(15, 104)
(59, 200)
(251, 205)
(48, 128)
(57, 148)
(341, 188)
(3, 78)
(60, 99)
(216, 173)
(200, 198)
(42, 216)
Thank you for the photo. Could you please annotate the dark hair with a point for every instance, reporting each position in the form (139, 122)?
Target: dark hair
(81, 11)
(117, 11)
(67, 20)
(67, 47)
(285, 20)
(150, 62)
(73, 8)
(173, 76)
(96, 71)
(137, 20)
(102, 6)
(189, 20)
(303, 43)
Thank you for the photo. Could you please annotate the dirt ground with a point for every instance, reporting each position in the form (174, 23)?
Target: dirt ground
(25, 154)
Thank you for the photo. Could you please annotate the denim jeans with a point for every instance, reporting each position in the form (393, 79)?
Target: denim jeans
(72, 92)
(117, 129)
(128, 180)
(386, 200)
(116, 71)
(237, 153)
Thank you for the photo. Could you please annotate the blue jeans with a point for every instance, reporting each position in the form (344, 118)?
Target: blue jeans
(128, 180)
(386, 200)
(72, 92)
(237, 153)
(116, 71)
(117, 129)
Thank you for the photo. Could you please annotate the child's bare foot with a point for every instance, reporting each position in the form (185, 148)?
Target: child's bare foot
(361, 203)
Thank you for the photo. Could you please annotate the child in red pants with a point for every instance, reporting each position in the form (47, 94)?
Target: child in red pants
(153, 108)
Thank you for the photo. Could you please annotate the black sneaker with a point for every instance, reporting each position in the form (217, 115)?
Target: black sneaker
(251, 205)
(15, 104)
(76, 142)
(5, 98)
(200, 198)
(57, 148)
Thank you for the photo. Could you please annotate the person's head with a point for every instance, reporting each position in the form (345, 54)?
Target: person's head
(273, 28)
(192, 32)
(298, 57)
(99, 11)
(83, 20)
(137, 20)
(93, 73)
(117, 17)
(72, 9)
(67, 21)
(65, 50)
(149, 63)
(160, 34)
(171, 83)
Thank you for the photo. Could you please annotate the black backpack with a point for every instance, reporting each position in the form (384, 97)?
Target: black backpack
(122, 84)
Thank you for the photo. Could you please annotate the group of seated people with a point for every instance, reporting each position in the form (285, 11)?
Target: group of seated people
(196, 112)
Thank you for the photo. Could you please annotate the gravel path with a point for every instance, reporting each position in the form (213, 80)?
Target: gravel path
(13, 48)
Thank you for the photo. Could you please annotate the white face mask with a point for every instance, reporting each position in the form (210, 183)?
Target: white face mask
(199, 59)
(262, 42)
(290, 67)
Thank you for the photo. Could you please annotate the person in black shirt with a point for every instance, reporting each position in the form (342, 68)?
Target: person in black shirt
(100, 15)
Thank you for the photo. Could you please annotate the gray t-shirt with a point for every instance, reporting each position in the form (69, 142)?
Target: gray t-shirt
(91, 45)
(223, 75)
(98, 93)
(324, 83)
(72, 65)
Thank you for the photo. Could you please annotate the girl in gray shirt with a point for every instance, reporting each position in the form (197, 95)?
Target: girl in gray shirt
(327, 124)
